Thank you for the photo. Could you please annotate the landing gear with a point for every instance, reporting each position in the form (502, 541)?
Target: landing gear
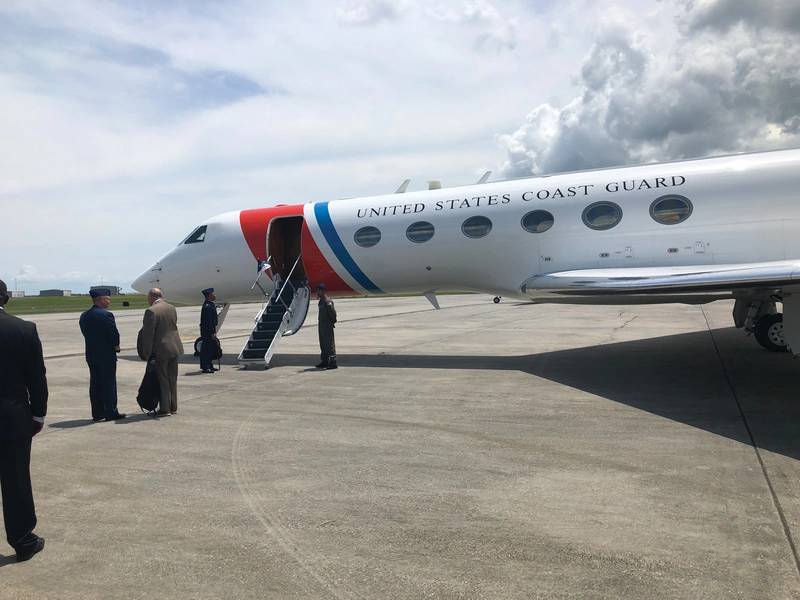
(769, 332)
(496, 299)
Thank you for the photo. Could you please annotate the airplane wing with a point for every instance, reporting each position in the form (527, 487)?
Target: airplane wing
(666, 280)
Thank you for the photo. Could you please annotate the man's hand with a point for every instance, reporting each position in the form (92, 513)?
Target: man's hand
(37, 426)
(116, 348)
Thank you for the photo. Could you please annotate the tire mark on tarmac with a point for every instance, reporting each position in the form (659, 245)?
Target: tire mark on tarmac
(307, 561)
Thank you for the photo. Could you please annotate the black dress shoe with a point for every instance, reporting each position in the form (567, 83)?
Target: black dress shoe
(27, 554)
(209, 370)
(320, 366)
(329, 367)
(96, 419)
(116, 417)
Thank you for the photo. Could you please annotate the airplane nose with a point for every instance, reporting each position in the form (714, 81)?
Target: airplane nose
(140, 283)
(149, 279)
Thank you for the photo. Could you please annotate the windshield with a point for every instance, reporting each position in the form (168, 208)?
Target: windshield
(198, 236)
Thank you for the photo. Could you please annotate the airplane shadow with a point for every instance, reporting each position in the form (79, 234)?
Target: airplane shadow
(678, 377)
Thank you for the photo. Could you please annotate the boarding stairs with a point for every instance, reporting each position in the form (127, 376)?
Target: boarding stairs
(283, 312)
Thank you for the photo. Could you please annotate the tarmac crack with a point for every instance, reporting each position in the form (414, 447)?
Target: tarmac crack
(775, 500)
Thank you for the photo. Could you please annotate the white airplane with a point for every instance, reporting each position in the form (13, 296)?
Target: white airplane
(690, 231)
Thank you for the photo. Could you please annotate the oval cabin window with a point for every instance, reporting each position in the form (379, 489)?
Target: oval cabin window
(670, 209)
(602, 215)
(366, 237)
(420, 232)
(537, 221)
(476, 227)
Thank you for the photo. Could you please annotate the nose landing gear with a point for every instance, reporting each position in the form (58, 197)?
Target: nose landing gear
(496, 299)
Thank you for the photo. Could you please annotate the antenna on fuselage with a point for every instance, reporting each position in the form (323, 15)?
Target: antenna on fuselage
(434, 185)
(403, 187)
(484, 178)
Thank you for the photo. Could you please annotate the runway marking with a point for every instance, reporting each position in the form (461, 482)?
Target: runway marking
(775, 501)
(273, 528)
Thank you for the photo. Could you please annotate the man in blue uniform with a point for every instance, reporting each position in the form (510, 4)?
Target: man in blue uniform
(208, 331)
(23, 405)
(102, 344)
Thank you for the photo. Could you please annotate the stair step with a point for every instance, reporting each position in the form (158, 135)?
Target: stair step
(258, 344)
(268, 326)
(263, 335)
(272, 317)
(253, 354)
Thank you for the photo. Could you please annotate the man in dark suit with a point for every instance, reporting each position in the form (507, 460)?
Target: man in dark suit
(102, 344)
(325, 326)
(208, 331)
(23, 405)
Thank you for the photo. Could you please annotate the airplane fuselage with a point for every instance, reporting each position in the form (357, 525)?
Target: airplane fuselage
(495, 237)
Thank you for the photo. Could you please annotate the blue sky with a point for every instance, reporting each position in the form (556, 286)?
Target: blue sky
(123, 124)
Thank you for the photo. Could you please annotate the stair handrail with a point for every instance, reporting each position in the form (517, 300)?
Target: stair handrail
(261, 271)
(288, 281)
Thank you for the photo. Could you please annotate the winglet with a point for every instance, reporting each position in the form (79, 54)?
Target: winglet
(403, 187)
(484, 178)
(433, 300)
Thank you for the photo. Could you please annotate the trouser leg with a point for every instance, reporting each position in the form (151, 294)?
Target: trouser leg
(206, 353)
(95, 394)
(19, 512)
(172, 373)
(328, 348)
(165, 391)
(110, 390)
(323, 355)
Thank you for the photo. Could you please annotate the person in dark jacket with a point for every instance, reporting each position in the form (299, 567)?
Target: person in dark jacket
(325, 324)
(102, 344)
(208, 331)
(23, 406)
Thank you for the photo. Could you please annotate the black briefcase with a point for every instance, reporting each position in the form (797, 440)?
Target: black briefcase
(149, 390)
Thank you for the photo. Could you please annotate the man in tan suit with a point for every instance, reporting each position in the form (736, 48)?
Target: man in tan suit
(159, 338)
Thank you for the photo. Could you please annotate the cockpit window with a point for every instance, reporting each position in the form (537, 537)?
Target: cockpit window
(197, 236)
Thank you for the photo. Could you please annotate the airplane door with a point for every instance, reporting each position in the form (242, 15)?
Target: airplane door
(283, 245)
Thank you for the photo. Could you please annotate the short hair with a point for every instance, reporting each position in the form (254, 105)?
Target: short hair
(155, 293)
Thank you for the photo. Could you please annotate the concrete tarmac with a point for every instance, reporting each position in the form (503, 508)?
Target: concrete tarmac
(480, 451)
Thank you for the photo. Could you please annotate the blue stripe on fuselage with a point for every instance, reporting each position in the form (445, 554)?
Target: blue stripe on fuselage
(335, 242)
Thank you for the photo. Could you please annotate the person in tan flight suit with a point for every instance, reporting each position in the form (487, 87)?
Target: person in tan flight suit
(159, 338)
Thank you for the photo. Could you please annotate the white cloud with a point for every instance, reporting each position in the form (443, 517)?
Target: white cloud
(370, 12)
(721, 84)
(494, 29)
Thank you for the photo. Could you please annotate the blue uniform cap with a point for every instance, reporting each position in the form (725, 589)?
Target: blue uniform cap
(97, 292)
(208, 291)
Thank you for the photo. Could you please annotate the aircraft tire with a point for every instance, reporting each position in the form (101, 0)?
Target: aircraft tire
(769, 333)
(198, 343)
(496, 299)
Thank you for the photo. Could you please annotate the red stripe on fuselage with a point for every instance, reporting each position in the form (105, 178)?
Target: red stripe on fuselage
(255, 224)
(319, 270)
